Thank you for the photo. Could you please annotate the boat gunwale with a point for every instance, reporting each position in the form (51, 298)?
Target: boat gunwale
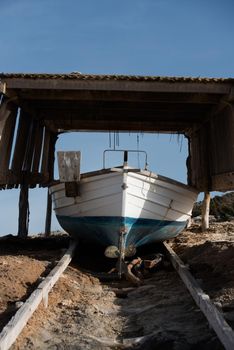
(140, 172)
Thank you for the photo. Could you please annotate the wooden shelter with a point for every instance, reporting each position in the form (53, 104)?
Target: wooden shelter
(35, 108)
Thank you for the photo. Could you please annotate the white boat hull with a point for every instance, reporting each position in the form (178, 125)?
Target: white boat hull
(148, 207)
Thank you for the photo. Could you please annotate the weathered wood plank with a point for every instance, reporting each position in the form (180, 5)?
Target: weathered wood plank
(112, 96)
(45, 154)
(123, 107)
(37, 148)
(20, 144)
(5, 110)
(27, 166)
(69, 166)
(12, 330)
(124, 113)
(7, 134)
(200, 157)
(2, 87)
(51, 157)
(115, 124)
(10, 178)
(117, 85)
(214, 317)
(222, 143)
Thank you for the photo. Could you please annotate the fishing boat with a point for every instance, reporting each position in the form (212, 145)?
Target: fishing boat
(123, 208)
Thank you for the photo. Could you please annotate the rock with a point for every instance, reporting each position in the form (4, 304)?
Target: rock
(229, 315)
(197, 219)
(18, 304)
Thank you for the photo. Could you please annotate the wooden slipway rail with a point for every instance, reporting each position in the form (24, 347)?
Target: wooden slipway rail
(224, 332)
(12, 330)
(14, 327)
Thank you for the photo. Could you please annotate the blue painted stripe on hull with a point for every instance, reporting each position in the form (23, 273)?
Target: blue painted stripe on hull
(105, 230)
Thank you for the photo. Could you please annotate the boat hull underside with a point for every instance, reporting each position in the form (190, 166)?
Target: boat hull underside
(105, 230)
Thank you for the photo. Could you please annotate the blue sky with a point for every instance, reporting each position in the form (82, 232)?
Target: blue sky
(147, 37)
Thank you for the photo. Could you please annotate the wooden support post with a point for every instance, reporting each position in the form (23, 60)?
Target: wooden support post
(205, 211)
(23, 212)
(53, 139)
(48, 215)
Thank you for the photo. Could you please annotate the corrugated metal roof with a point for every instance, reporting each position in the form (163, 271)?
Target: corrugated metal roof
(79, 76)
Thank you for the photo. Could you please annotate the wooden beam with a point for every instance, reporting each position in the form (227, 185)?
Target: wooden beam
(118, 85)
(214, 317)
(121, 110)
(154, 107)
(14, 327)
(123, 115)
(113, 96)
(31, 179)
(107, 125)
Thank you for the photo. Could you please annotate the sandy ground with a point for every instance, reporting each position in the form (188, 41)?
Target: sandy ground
(21, 266)
(84, 313)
